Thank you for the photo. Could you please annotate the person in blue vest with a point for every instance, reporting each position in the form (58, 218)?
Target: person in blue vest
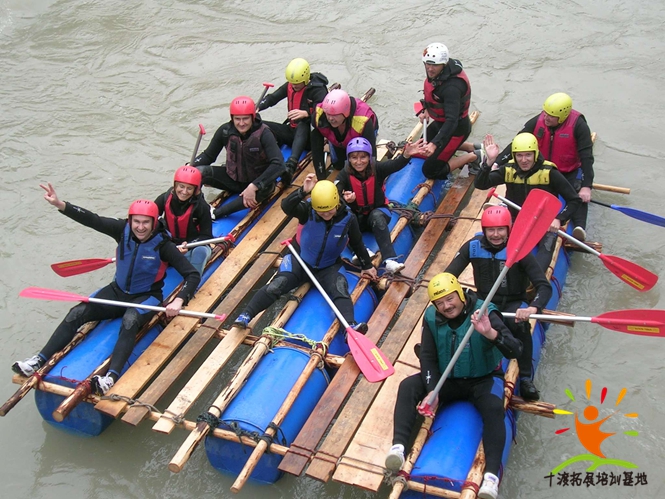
(362, 185)
(254, 161)
(564, 138)
(476, 377)
(327, 226)
(187, 215)
(144, 252)
(528, 170)
(303, 91)
(487, 255)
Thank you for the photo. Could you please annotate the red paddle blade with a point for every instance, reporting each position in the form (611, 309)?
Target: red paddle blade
(531, 224)
(630, 273)
(371, 361)
(76, 267)
(644, 322)
(51, 294)
(417, 107)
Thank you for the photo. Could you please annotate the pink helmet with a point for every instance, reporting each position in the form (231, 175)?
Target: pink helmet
(146, 208)
(243, 105)
(188, 175)
(496, 216)
(337, 102)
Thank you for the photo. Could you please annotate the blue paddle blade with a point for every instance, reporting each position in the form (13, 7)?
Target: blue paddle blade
(640, 215)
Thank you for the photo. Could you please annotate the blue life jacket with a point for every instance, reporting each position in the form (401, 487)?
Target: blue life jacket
(138, 265)
(321, 243)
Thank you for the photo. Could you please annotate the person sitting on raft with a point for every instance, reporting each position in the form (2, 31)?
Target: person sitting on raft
(487, 255)
(340, 118)
(187, 215)
(526, 171)
(253, 159)
(303, 91)
(476, 377)
(143, 254)
(361, 183)
(327, 226)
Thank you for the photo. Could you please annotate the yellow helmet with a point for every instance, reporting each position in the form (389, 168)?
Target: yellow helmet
(525, 142)
(325, 196)
(297, 71)
(444, 284)
(558, 105)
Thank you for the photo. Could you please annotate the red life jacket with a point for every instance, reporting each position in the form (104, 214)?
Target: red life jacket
(435, 107)
(294, 101)
(365, 190)
(245, 159)
(354, 124)
(559, 147)
(177, 226)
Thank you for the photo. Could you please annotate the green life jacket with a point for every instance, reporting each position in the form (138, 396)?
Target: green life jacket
(479, 356)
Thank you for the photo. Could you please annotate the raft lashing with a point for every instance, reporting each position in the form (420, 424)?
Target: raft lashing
(269, 384)
(458, 425)
(77, 365)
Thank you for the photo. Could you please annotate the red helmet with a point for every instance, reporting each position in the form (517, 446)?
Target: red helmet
(337, 102)
(496, 216)
(188, 175)
(146, 208)
(243, 105)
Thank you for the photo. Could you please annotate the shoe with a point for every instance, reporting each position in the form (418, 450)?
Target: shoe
(217, 213)
(528, 390)
(490, 487)
(101, 384)
(29, 366)
(579, 233)
(393, 266)
(361, 327)
(395, 458)
(477, 145)
(242, 321)
(291, 166)
(476, 165)
(356, 261)
(212, 212)
(416, 349)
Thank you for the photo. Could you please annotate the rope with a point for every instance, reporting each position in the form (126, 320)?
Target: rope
(129, 401)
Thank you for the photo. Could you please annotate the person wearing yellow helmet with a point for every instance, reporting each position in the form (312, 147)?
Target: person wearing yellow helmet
(564, 138)
(326, 226)
(487, 255)
(477, 375)
(528, 170)
(303, 91)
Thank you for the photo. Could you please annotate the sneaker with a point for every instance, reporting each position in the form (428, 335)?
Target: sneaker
(395, 458)
(217, 213)
(393, 266)
(476, 165)
(356, 261)
(29, 366)
(528, 390)
(579, 233)
(490, 487)
(101, 384)
(242, 321)
(212, 212)
(291, 166)
(477, 145)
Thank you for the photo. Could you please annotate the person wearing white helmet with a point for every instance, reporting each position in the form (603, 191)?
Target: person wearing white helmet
(446, 104)
(303, 91)
(564, 138)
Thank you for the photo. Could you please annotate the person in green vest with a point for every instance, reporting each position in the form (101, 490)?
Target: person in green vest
(477, 375)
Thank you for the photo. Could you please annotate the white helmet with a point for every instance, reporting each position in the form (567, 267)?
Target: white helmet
(436, 53)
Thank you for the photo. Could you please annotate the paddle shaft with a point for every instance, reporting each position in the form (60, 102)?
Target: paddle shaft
(214, 240)
(202, 132)
(553, 317)
(266, 86)
(190, 313)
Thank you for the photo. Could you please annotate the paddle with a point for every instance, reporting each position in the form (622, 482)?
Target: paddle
(418, 108)
(371, 361)
(540, 208)
(266, 86)
(632, 212)
(642, 322)
(202, 132)
(632, 274)
(76, 267)
(54, 294)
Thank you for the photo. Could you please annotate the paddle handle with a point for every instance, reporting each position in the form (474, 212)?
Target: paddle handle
(202, 132)
(611, 188)
(189, 313)
(266, 86)
(560, 232)
(316, 282)
(467, 336)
